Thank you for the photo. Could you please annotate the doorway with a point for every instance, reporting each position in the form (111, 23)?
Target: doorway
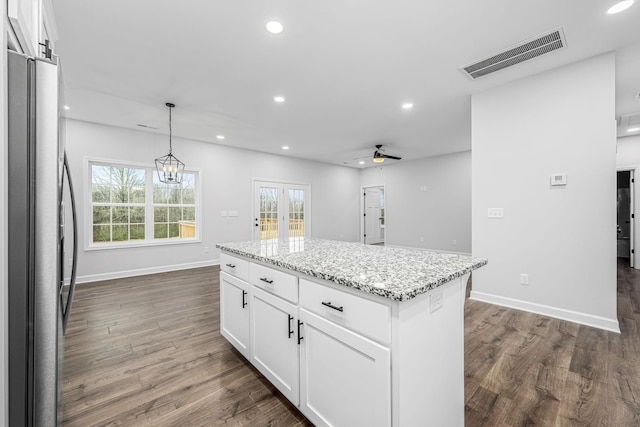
(281, 210)
(625, 216)
(373, 215)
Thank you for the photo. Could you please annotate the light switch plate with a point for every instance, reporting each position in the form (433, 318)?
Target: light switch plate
(233, 213)
(558, 179)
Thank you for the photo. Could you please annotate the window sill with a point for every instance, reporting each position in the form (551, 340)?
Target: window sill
(142, 244)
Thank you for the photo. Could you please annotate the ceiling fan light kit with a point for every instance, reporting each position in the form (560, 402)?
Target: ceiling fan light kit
(379, 157)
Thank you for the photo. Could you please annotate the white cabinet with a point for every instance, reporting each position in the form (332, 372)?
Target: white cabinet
(31, 23)
(345, 378)
(275, 345)
(345, 357)
(234, 312)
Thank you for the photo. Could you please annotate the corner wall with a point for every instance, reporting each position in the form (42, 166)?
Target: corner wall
(432, 217)
(561, 121)
(226, 175)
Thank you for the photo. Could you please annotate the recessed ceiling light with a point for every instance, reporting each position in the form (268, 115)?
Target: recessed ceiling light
(285, 147)
(634, 129)
(361, 162)
(619, 7)
(66, 107)
(278, 98)
(220, 136)
(407, 106)
(274, 27)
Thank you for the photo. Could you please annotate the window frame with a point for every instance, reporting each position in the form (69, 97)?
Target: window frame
(149, 239)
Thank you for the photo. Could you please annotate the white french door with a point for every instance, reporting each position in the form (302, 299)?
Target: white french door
(281, 210)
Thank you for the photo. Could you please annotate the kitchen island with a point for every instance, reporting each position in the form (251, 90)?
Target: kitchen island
(351, 334)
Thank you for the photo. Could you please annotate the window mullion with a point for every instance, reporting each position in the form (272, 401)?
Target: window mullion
(148, 211)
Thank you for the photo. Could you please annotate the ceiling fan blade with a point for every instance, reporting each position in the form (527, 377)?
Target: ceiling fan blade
(387, 156)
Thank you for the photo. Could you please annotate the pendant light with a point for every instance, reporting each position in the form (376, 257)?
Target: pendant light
(169, 168)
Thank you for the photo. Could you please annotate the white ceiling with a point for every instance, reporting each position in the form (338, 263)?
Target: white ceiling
(344, 66)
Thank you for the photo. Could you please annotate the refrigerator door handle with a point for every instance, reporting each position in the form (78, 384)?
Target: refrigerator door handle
(72, 281)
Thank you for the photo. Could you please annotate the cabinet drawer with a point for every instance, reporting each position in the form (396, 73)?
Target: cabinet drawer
(282, 284)
(367, 317)
(235, 266)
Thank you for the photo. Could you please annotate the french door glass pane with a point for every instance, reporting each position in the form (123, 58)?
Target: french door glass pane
(296, 213)
(268, 213)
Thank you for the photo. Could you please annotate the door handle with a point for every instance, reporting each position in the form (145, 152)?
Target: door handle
(231, 266)
(289, 326)
(244, 303)
(299, 337)
(264, 279)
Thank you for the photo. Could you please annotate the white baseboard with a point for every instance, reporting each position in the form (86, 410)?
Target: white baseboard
(559, 313)
(144, 271)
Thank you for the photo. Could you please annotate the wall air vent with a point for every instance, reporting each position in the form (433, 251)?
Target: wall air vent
(524, 51)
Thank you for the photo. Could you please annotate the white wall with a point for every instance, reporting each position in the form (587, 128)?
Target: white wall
(226, 175)
(439, 215)
(628, 157)
(561, 121)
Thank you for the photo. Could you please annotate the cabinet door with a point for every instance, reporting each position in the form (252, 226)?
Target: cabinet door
(234, 312)
(25, 18)
(274, 340)
(345, 379)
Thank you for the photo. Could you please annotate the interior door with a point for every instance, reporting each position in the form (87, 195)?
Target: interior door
(373, 216)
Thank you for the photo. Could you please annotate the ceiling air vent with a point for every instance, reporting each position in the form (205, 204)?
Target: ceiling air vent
(524, 51)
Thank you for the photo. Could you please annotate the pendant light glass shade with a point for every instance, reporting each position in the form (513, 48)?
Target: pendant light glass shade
(170, 170)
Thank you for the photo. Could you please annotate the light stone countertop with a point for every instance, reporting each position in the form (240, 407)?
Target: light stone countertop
(395, 273)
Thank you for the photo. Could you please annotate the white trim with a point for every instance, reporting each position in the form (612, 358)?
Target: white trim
(145, 271)
(558, 313)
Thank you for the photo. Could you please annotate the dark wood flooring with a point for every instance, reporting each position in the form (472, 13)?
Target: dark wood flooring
(146, 351)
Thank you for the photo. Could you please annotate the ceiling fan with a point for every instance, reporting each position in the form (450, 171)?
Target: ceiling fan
(378, 156)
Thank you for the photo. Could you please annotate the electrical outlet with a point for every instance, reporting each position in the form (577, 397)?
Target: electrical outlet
(524, 279)
(495, 213)
(455, 242)
(435, 301)
(206, 249)
(422, 239)
(70, 262)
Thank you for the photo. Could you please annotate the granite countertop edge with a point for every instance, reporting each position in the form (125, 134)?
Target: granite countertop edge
(406, 294)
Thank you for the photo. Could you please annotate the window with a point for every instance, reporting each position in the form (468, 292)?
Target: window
(174, 208)
(130, 206)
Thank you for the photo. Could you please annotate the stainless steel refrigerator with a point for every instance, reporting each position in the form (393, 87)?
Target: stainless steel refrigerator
(39, 298)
